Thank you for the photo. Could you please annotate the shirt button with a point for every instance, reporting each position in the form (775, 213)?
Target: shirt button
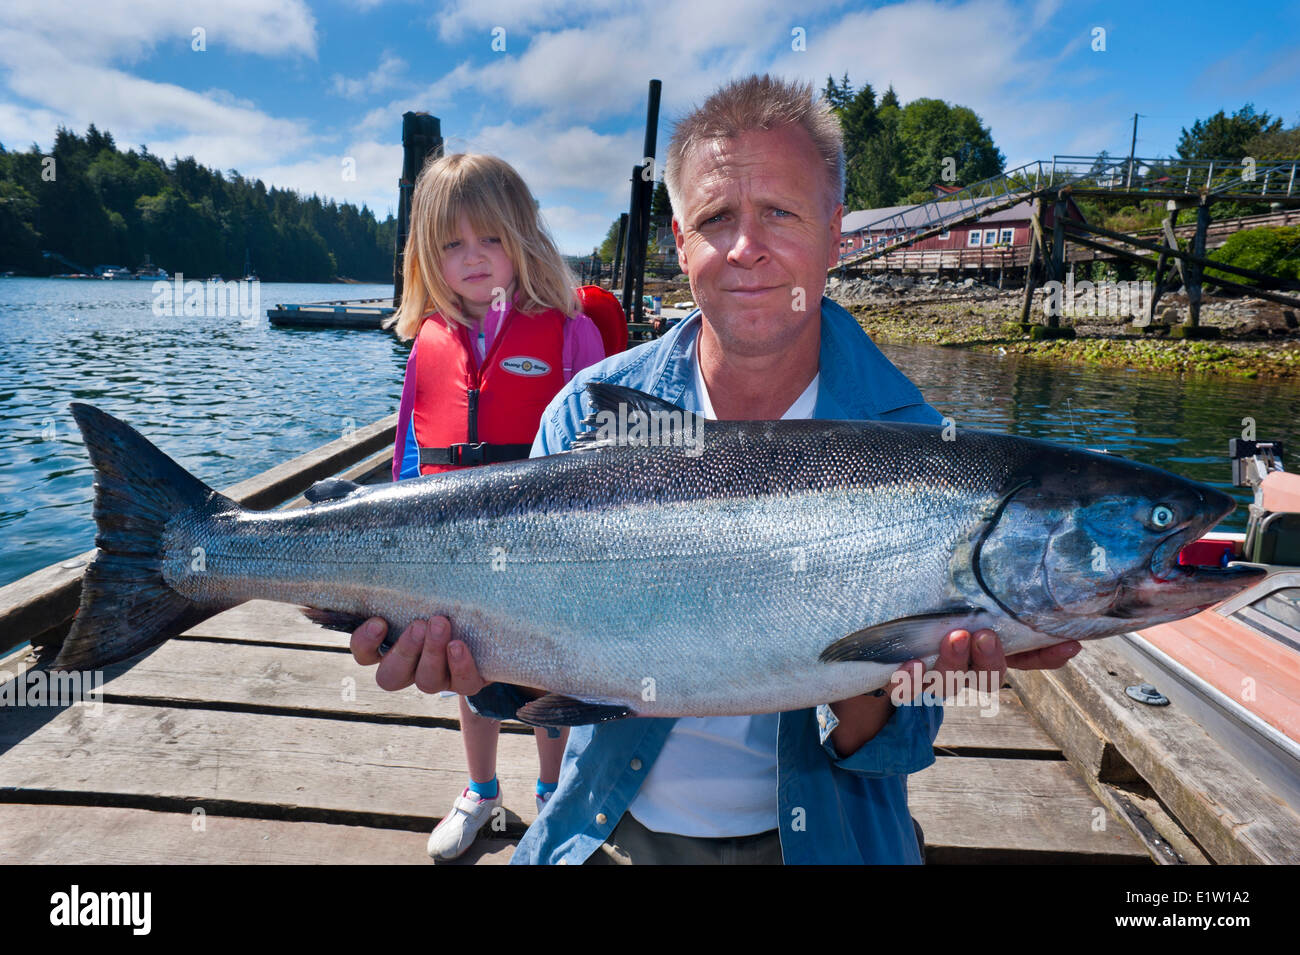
(636, 765)
(600, 818)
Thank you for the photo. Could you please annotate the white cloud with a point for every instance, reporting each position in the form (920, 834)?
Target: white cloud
(600, 69)
(62, 59)
(575, 230)
(551, 157)
(127, 29)
(377, 167)
(222, 129)
(460, 18)
(386, 75)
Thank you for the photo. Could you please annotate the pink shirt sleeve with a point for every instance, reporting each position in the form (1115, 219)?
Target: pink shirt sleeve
(582, 345)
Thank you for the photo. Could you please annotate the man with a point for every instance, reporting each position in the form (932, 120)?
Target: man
(755, 177)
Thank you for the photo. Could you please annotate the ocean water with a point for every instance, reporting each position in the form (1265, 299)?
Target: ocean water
(229, 399)
(225, 396)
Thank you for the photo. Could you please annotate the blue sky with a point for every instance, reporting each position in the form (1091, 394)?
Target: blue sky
(287, 90)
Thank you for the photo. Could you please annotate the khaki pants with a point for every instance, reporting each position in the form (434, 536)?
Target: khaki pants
(633, 844)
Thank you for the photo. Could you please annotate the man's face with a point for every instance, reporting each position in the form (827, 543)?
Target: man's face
(756, 234)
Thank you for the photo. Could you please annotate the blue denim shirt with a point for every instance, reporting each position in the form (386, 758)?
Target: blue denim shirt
(830, 809)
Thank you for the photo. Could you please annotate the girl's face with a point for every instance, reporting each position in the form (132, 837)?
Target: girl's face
(477, 269)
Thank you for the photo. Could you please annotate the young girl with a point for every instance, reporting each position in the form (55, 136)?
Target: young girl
(497, 332)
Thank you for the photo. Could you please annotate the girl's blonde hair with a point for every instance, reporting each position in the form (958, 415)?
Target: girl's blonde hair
(497, 202)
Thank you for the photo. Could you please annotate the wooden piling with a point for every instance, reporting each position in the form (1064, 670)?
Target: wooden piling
(1193, 269)
(1035, 244)
(1161, 264)
(1059, 213)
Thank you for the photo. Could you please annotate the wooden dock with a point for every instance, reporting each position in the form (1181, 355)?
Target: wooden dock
(371, 313)
(359, 313)
(254, 737)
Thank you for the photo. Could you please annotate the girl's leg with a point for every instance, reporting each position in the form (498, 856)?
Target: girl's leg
(549, 753)
(480, 736)
(472, 809)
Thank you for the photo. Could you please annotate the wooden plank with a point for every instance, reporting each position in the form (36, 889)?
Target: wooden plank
(972, 726)
(285, 480)
(266, 621)
(199, 671)
(39, 606)
(280, 679)
(336, 770)
(1014, 810)
(44, 600)
(234, 763)
(108, 835)
(1183, 258)
(1222, 805)
(1104, 771)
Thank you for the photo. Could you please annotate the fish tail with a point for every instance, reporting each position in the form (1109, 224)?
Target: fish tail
(126, 605)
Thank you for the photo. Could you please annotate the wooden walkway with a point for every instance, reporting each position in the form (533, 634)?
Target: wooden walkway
(994, 258)
(255, 738)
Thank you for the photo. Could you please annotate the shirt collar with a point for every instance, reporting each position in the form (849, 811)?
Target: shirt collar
(840, 394)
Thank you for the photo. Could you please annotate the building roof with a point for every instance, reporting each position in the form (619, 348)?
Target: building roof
(914, 216)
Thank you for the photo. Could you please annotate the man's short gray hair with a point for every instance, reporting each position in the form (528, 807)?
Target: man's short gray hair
(758, 103)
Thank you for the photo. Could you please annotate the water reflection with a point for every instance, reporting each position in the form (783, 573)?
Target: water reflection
(1171, 421)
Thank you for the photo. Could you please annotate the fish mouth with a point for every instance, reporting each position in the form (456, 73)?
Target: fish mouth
(1180, 591)
(1189, 588)
(1202, 576)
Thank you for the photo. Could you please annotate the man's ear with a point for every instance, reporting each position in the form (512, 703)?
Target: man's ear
(679, 238)
(836, 223)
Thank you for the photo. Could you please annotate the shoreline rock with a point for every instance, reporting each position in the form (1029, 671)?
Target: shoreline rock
(1257, 339)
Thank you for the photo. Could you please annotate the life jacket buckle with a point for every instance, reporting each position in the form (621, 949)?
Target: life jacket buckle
(468, 454)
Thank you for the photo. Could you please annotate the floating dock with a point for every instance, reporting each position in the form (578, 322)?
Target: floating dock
(359, 313)
(373, 312)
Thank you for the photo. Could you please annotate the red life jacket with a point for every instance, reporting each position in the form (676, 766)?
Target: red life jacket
(465, 414)
(606, 312)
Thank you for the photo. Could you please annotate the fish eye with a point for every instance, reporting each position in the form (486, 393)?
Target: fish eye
(1162, 515)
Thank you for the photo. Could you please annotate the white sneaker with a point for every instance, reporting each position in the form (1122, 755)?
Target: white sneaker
(543, 800)
(454, 835)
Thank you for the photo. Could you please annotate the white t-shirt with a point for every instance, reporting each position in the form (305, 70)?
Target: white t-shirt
(716, 775)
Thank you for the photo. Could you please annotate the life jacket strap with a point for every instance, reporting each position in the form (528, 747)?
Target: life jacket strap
(467, 455)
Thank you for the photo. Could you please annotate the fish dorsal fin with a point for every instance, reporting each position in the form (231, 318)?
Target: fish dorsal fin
(625, 416)
(608, 397)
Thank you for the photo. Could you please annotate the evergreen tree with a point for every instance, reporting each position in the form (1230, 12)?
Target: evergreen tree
(1225, 137)
(838, 95)
(105, 206)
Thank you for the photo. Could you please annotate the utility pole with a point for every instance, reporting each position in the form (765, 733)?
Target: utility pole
(1132, 151)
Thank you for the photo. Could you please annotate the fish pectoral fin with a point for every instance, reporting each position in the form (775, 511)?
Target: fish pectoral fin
(555, 709)
(330, 489)
(333, 619)
(907, 638)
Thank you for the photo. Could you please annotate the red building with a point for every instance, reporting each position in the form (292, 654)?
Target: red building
(1008, 229)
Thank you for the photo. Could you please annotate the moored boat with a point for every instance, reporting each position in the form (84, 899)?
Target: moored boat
(1236, 667)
